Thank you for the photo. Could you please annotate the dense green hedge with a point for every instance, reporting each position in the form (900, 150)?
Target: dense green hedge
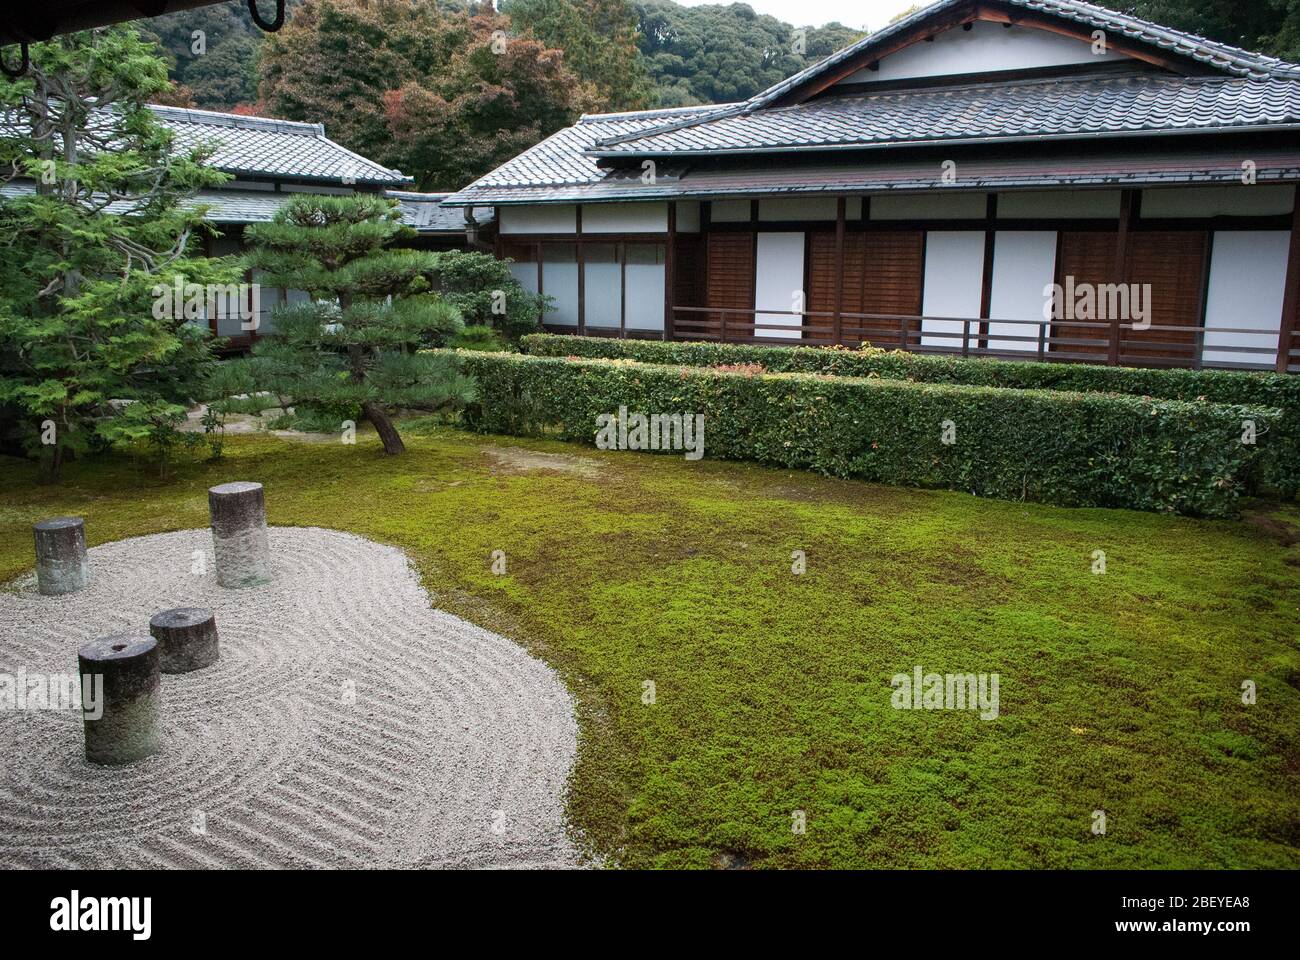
(1280, 468)
(1066, 448)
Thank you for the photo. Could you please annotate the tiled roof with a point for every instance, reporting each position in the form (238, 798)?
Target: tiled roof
(1046, 108)
(257, 146)
(1136, 167)
(1248, 92)
(1220, 56)
(425, 212)
(1232, 61)
(560, 159)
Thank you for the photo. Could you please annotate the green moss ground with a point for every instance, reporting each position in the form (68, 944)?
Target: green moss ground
(1118, 692)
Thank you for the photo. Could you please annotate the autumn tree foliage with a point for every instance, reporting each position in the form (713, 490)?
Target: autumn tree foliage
(599, 40)
(445, 95)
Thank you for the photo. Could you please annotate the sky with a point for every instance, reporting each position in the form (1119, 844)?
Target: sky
(872, 14)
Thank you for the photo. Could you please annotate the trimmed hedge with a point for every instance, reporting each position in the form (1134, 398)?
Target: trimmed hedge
(1280, 467)
(1064, 448)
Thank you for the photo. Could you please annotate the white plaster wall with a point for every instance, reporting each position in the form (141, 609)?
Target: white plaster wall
(624, 217)
(603, 285)
(1258, 200)
(560, 282)
(526, 274)
(558, 218)
(645, 286)
(796, 208)
(985, 48)
(778, 277)
(930, 206)
(688, 216)
(1024, 262)
(1068, 204)
(1247, 282)
(729, 211)
(954, 282)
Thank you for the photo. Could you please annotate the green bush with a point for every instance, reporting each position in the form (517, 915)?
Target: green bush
(485, 292)
(1064, 448)
(477, 337)
(1280, 468)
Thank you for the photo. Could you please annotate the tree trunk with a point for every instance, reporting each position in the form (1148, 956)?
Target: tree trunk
(384, 427)
(52, 470)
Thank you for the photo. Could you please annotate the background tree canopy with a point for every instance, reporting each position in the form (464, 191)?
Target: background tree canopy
(635, 54)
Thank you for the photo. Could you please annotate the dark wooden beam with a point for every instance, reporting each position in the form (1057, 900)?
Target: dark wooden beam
(1291, 298)
(670, 270)
(1128, 213)
(932, 26)
(582, 275)
(840, 204)
(986, 289)
(1114, 39)
(963, 16)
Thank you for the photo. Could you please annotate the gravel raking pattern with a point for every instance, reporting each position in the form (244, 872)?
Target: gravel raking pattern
(347, 724)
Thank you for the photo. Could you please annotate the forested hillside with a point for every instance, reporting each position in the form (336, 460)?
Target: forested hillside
(638, 54)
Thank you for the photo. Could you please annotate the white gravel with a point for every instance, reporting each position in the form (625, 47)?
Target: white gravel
(455, 752)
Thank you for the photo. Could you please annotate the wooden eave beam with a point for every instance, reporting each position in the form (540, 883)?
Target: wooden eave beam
(960, 17)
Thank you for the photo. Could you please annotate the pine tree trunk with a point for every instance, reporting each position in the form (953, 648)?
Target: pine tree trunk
(384, 427)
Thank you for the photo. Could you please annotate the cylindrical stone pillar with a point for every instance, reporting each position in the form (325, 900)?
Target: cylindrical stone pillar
(238, 513)
(187, 638)
(123, 716)
(61, 565)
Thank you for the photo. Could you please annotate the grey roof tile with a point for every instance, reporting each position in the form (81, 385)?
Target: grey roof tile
(1231, 60)
(560, 159)
(425, 212)
(1135, 167)
(258, 146)
(1046, 108)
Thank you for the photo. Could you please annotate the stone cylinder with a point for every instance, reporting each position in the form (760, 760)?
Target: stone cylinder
(61, 565)
(238, 513)
(187, 638)
(128, 692)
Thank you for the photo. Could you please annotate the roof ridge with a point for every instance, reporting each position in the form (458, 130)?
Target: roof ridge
(656, 112)
(239, 120)
(1241, 62)
(1135, 77)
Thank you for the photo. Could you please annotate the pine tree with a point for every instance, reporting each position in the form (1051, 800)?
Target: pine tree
(99, 222)
(356, 345)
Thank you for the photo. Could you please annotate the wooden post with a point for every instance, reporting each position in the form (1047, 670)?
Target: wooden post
(670, 269)
(1291, 298)
(838, 334)
(239, 540)
(986, 284)
(128, 726)
(61, 565)
(1127, 213)
(582, 277)
(187, 638)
